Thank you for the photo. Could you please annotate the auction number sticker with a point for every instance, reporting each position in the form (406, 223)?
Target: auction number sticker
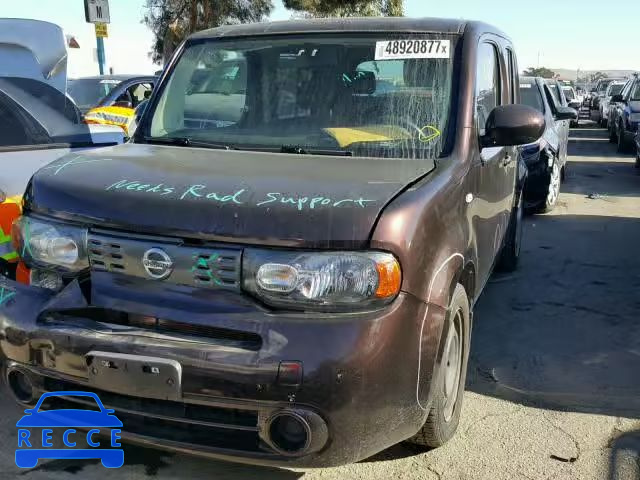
(399, 49)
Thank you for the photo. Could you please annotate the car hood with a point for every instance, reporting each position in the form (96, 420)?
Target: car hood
(252, 197)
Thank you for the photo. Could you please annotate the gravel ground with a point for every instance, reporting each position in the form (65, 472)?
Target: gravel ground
(554, 377)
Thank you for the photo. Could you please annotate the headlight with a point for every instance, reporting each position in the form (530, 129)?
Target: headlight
(322, 281)
(531, 152)
(634, 117)
(50, 244)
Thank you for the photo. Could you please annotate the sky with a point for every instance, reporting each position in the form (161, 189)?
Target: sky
(569, 34)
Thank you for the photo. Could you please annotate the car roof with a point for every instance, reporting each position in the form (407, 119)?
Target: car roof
(351, 24)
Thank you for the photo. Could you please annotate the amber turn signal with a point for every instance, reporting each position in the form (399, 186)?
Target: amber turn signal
(389, 278)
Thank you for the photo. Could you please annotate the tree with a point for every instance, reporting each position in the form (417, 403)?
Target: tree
(346, 8)
(171, 21)
(543, 72)
(597, 76)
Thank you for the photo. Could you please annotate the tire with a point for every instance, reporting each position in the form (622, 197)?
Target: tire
(622, 144)
(510, 253)
(444, 416)
(613, 138)
(553, 192)
(637, 164)
(603, 122)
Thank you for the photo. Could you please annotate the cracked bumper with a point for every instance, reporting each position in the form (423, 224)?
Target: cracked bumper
(359, 370)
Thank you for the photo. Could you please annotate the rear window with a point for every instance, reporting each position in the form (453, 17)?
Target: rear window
(530, 95)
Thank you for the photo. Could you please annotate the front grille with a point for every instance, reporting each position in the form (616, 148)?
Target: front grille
(206, 426)
(105, 255)
(210, 267)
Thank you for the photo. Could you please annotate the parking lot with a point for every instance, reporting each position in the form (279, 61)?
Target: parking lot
(553, 389)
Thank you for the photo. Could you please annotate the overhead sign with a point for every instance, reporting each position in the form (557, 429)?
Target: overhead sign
(101, 30)
(96, 11)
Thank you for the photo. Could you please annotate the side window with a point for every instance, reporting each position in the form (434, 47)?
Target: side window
(635, 92)
(626, 88)
(18, 129)
(513, 75)
(140, 92)
(551, 99)
(487, 84)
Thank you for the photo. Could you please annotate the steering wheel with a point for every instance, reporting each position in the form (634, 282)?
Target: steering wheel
(424, 134)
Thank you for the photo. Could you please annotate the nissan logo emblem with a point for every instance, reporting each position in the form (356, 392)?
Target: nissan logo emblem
(157, 263)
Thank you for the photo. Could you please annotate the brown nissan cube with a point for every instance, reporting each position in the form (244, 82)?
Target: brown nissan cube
(280, 268)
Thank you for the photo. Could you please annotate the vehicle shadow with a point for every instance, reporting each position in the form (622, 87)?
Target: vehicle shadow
(624, 457)
(562, 333)
(167, 465)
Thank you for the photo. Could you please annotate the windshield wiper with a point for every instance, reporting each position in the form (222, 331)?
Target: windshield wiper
(314, 151)
(189, 142)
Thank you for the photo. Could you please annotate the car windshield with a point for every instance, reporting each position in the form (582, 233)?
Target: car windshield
(530, 95)
(365, 96)
(568, 92)
(87, 92)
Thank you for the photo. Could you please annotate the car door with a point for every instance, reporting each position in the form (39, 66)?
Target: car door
(489, 203)
(631, 107)
(619, 106)
(560, 127)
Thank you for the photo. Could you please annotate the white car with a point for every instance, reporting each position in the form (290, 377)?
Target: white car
(614, 88)
(40, 123)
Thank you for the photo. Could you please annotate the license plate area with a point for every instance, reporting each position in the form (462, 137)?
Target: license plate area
(136, 375)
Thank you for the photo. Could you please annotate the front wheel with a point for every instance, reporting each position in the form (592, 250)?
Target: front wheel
(444, 416)
(553, 192)
(612, 133)
(622, 144)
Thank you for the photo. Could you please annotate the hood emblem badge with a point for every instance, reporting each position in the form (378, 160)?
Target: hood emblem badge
(157, 263)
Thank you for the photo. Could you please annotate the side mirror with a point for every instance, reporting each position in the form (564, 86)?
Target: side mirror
(566, 113)
(616, 98)
(509, 125)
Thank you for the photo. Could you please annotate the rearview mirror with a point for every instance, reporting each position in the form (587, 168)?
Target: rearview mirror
(616, 98)
(566, 113)
(509, 125)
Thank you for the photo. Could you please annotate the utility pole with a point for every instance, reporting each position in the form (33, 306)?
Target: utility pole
(97, 12)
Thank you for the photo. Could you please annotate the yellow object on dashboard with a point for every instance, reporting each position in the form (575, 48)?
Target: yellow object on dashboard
(345, 136)
(119, 116)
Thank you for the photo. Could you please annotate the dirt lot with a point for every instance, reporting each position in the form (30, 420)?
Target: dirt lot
(554, 378)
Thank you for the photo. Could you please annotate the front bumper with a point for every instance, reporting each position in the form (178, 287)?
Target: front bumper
(539, 175)
(360, 371)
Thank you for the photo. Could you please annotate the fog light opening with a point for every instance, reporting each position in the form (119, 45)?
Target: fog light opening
(21, 386)
(290, 434)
